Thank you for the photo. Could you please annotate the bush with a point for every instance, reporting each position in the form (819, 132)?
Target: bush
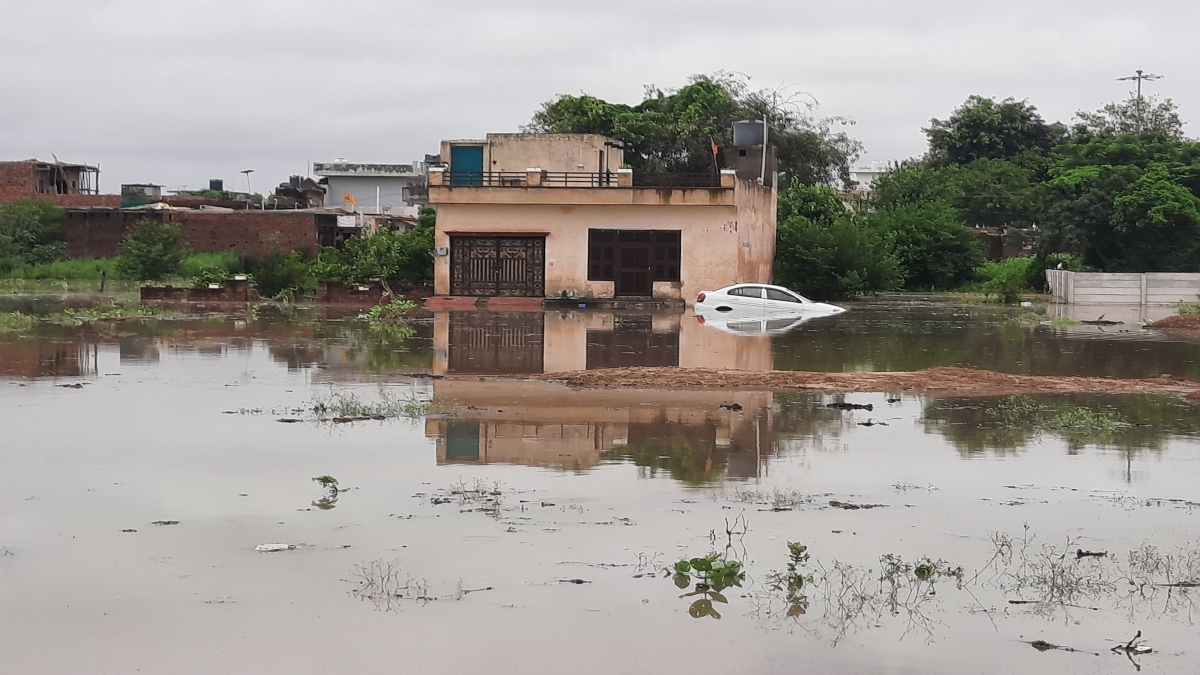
(833, 261)
(283, 276)
(1035, 279)
(79, 268)
(395, 257)
(1006, 279)
(151, 251)
(935, 248)
(31, 231)
(228, 262)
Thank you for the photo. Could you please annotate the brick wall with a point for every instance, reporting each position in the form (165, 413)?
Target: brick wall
(337, 293)
(95, 233)
(17, 182)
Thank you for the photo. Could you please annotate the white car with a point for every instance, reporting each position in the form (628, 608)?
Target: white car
(761, 300)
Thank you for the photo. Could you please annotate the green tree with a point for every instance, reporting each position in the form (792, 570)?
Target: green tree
(936, 250)
(151, 251)
(283, 276)
(1147, 115)
(1159, 221)
(672, 130)
(31, 231)
(826, 253)
(983, 128)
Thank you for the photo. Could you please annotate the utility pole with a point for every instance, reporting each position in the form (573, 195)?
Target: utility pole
(248, 172)
(1141, 75)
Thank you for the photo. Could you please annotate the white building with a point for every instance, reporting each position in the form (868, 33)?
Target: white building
(867, 175)
(393, 189)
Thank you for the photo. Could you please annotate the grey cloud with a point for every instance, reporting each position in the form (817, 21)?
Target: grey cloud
(178, 92)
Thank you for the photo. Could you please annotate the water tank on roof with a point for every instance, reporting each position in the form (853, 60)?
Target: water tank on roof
(748, 132)
(216, 185)
(294, 181)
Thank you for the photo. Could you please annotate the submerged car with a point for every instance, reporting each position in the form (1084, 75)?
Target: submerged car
(761, 300)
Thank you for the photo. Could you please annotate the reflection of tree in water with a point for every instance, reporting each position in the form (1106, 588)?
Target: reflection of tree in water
(1001, 425)
(911, 336)
(688, 453)
(801, 421)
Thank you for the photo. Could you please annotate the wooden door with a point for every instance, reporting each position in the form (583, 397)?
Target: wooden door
(504, 266)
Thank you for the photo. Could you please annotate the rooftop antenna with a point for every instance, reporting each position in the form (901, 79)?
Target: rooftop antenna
(247, 172)
(1141, 75)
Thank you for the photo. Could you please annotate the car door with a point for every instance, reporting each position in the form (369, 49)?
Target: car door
(747, 300)
(779, 301)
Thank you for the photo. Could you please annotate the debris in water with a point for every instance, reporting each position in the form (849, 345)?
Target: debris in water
(289, 420)
(1080, 554)
(730, 406)
(77, 385)
(872, 423)
(854, 507)
(164, 522)
(842, 405)
(271, 548)
(130, 529)
(574, 581)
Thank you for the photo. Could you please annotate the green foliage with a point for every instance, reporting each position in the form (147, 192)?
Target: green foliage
(151, 251)
(394, 310)
(283, 276)
(395, 257)
(226, 262)
(76, 268)
(982, 128)
(1025, 412)
(31, 232)
(327, 482)
(15, 322)
(1188, 308)
(827, 253)
(1006, 279)
(936, 250)
(1148, 115)
(712, 574)
(673, 130)
(112, 310)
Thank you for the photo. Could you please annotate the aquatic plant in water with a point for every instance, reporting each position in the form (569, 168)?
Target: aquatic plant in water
(15, 322)
(712, 574)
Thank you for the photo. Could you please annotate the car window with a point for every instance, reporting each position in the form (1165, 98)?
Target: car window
(745, 326)
(779, 324)
(746, 291)
(782, 296)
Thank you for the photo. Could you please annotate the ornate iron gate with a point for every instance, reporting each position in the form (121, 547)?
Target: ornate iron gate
(491, 266)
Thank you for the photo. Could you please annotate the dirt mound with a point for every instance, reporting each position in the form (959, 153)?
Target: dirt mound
(1191, 321)
(946, 380)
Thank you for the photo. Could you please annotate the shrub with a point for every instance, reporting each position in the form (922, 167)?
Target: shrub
(935, 248)
(151, 251)
(832, 261)
(226, 261)
(31, 231)
(1006, 279)
(1035, 279)
(283, 276)
(395, 257)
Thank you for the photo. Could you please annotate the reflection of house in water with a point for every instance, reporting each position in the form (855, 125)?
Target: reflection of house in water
(46, 359)
(538, 423)
(560, 341)
(684, 433)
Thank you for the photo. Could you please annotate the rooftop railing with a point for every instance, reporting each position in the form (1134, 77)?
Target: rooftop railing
(537, 178)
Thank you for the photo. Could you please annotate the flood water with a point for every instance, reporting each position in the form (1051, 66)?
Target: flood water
(504, 524)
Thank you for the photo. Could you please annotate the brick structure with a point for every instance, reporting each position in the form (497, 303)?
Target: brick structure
(234, 290)
(371, 293)
(67, 185)
(96, 232)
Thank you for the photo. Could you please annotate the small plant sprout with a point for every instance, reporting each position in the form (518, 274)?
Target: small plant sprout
(712, 574)
(330, 500)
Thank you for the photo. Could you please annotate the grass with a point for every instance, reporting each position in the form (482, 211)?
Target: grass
(779, 500)
(112, 310)
(1026, 413)
(344, 404)
(79, 269)
(1188, 308)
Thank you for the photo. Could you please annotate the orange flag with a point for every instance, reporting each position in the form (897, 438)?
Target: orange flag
(349, 198)
(714, 144)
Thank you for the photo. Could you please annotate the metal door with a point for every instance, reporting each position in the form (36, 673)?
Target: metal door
(502, 342)
(491, 266)
(466, 165)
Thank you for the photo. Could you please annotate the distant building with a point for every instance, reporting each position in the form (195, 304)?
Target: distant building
(136, 194)
(63, 183)
(393, 189)
(865, 176)
(554, 215)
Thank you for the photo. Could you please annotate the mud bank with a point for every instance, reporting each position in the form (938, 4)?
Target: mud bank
(943, 380)
(1186, 321)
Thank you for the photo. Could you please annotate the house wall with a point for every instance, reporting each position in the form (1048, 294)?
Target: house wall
(362, 188)
(727, 235)
(95, 233)
(548, 152)
(756, 230)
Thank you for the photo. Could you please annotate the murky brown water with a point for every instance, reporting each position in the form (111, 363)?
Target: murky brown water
(524, 487)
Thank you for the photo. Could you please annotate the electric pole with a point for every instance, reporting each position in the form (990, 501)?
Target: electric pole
(1141, 75)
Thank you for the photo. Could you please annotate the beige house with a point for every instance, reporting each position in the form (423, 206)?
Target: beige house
(555, 215)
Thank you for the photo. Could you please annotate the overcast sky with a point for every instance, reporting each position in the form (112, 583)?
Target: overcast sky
(177, 92)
